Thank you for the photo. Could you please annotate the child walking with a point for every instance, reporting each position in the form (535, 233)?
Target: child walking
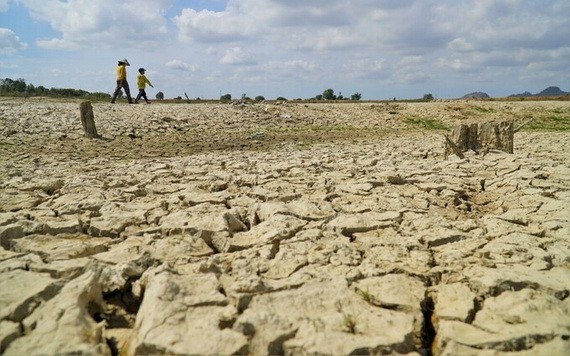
(142, 81)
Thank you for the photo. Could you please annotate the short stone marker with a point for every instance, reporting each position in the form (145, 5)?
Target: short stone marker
(88, 120)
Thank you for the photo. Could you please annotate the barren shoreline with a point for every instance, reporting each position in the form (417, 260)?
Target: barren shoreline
(281, 229)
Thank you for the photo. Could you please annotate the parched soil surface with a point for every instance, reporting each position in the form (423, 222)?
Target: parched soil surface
(44, 127)
(282, 228)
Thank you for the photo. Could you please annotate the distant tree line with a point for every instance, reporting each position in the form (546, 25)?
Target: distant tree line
(328, 94)
(19, 87)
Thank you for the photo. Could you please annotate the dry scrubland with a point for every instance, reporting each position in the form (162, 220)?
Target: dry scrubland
(285, 228)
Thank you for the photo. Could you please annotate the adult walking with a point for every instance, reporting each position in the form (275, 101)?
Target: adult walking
(122, 81)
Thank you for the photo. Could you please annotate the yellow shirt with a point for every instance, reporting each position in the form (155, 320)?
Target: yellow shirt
(121, 73)
(142, 81)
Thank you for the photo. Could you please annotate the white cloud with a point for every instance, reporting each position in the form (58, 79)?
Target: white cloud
(319, 25)
(366, 69)
(237, 55)
(58, 43)
(8, 65)
(456, 65)
(207, 26)
(413, 69)
(460, 44)
(289, 70)
(10, 43)
(272, 20)
(376, 44)
(506, 25)
(4, 5)
(307, 66)
(104, 23)
(328, 39)
(180, 65)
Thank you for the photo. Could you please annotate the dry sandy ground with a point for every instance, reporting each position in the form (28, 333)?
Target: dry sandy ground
(282, 228)
(39, 126)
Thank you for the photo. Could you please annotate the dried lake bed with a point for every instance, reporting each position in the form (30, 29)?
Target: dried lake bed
(282, 228)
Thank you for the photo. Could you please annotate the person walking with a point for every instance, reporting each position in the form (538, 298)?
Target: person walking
(122, 81)
(142, 81)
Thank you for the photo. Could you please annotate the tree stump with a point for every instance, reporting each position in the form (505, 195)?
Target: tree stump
(480, 137)
(88, 119)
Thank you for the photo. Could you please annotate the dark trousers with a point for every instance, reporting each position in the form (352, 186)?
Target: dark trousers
(122, 84)
(142, 94)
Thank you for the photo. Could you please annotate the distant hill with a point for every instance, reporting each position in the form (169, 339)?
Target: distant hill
(550, 91)
(476, 95)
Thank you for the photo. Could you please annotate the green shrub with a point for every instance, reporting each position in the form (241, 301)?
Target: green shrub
(428, 124)
(226, 98)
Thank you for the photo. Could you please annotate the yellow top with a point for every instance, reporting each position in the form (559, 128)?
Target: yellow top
(142, 81)
(121, 72)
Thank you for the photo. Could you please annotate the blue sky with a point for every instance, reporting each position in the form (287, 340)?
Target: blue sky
(292, 48)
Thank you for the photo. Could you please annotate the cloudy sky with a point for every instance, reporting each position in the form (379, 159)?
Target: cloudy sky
(292, 48)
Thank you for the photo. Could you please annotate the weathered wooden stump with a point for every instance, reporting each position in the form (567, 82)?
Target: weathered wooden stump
(88, 119)
(480, 137)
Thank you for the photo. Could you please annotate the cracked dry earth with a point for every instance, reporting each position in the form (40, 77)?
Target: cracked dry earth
(280, 229)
